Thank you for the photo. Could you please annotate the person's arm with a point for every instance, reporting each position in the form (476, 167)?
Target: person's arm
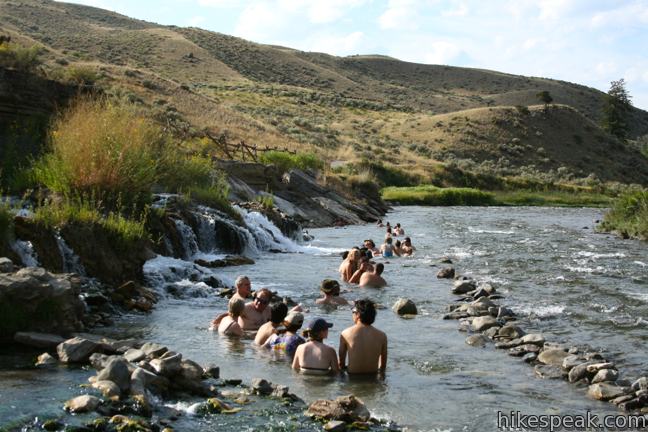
(342, 352)
(235, 329)
(356, 276)
(295, 363)
(382, 365)
(333, 363)
(216, 321)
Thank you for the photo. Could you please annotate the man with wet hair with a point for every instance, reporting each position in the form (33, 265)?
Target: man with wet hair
(373, 279)
(243, 288)
(256, 312)
(331, 290)
(365, 345)
(278, 312)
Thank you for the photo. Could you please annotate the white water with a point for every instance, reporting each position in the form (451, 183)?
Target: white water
(71, 261)
(25, 250)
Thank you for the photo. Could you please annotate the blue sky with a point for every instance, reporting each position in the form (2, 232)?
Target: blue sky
(590, 42)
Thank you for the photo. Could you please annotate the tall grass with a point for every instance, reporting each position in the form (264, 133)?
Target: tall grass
(434, 196)
(18, 57)
(285, 161)
(552, 198)
(629, 215)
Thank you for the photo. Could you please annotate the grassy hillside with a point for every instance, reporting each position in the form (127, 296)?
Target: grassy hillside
(422, 119)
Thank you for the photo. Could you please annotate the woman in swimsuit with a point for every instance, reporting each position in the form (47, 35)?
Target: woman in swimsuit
(387, 249)
(315, 357)
(229, 325)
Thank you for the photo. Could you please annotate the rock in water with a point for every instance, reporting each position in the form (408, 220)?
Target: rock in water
(446, 273)
(117, 371)
(108, 388)
(463, 286)
(603, 375)
(605, 391)
(38, 340)
(77, 350)
(261, 387)
(345, 408)
(82, 404)
(484, 323)
(477, 340)
(6, 265)
(405, 307)
(45, 359)
(552, 357)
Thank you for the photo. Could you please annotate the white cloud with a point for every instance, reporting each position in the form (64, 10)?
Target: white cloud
(217, 3)
(459, 11)
(605, 69)
(631, 14)
(337, 45)
(400, 14)
(196, 21)
(331, 10)
(554, 9)
(261, 22)
(441, 52)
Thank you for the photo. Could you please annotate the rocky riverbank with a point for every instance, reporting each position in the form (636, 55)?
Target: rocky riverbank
(490, 323)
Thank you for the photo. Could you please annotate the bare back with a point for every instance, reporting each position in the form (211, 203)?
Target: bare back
(366, 347)
(264, 333)
(315, 357)
(372, 280)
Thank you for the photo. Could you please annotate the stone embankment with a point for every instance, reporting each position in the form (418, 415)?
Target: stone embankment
(134, 379)
(488, 322)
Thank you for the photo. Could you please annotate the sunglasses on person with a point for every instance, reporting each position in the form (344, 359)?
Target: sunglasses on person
(261, 300)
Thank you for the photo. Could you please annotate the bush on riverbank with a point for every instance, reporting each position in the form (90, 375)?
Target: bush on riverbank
(628, 216)
(432, 195)
(552, 198)
(285, 161)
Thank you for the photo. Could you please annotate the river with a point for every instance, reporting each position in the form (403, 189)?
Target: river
(562, 279)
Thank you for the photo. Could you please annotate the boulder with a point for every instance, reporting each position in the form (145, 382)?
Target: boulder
(335, 426)
(477, 340)
(640, 384)
(446, 273)
(229, 260)
(82, 404)
(142, 380)
(107, 388)
(117, 371)
(552, 357)
(261, 387)
(191, 370)
(167, 366)
(153, 350)
(508, 344)
(77, 350)
(38, 340)
(491, 332)
(212, 371)
(99, 360)
(578, 372)
(594, 368)
(486, 287)
(571, 361)
(45, 359)
(605, 375)
(345, 408)
(34, 300)
(534, 338)
(548, 372)
(484, 323)
(510, 332)
(405, 307)
(6, 265)
(605, 391)
(523, 350)
(463, 286)
(134, 355)
(530, 357)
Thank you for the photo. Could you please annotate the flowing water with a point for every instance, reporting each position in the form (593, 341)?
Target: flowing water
(561, 278)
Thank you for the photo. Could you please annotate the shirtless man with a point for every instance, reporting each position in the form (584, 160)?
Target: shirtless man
(256, 312)
(365, 344)
(278, 312)
(329, 287)
(407, 248)
(373, 279)
(243, 287)
(315, 357)
(350, 265)
(365, 266)
(398, 231)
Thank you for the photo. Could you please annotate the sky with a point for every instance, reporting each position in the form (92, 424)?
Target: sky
(590, 42)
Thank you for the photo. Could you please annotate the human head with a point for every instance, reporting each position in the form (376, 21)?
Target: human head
(316, 328)
(329, 286)
(243, 286)
(354, 255)
(398, 243)
(365, 310)
(380, 267)
(388, 229)
(293, 321)
(278, 312)
(398, 225)
(388, 240)
(345, 254)
(407, 241)
(262, 299)
(369, 244)
(235, 307)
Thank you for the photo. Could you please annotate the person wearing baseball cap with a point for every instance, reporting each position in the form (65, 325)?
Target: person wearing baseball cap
(315, 357)
(331, 290)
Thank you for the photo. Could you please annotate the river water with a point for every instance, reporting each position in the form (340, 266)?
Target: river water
(562, 279)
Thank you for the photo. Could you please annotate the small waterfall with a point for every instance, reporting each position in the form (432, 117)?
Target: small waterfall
(25, 250)
(189, 240)
(266, 234)
(71, 261)
(214, 226)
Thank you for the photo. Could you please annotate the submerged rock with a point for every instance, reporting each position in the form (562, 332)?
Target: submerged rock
(446, 273)
(477, 340)
(605, 391)
(552, 357)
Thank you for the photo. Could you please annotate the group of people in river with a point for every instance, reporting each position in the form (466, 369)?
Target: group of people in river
(362, 348)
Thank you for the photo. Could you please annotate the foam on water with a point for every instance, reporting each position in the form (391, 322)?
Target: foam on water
(485, 231)
(590, 270)
(594, 255)
(540, 311)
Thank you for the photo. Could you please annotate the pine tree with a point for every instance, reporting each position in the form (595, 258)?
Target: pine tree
(616, 108)
(545, 98)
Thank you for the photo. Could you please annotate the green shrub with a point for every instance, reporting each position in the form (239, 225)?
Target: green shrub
(285, 161)
(629, 215)
(266, 201)
(82, 75)
(434, 196)
(17, 57)
(6, 224)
